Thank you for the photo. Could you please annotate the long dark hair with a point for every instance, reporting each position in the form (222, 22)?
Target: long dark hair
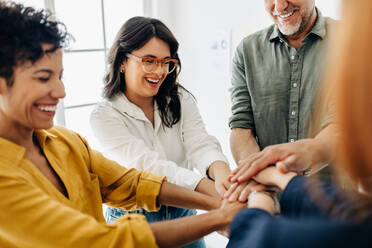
(133, 35)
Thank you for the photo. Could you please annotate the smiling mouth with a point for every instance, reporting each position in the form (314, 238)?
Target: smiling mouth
(285, 14)
(51, 108)
(152, 81)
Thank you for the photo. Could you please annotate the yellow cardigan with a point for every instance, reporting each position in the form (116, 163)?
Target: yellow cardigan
(33, 213)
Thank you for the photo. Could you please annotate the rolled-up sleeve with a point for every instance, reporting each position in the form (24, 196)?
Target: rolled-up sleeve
(241, 107)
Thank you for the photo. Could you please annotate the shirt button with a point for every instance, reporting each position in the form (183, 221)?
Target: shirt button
(292, 140)
(294, 85)
(293, 57)
(293, 113)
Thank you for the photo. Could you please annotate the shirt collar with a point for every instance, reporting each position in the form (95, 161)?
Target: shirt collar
(43, 135)
(14, 153)
(319, 28)
(123, 105)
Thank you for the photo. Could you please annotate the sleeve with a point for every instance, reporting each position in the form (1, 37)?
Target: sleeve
(257, 228)
(241, 108)
(310, 197)
(132, 152)
(31, 218)
(201, 148)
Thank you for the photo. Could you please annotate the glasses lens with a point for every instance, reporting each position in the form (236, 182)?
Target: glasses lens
(149, 64)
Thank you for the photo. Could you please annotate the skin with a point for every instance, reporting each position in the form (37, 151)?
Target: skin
(141, 92)
(271, 176)
(296, 26)
(30, 104)
(297, 156)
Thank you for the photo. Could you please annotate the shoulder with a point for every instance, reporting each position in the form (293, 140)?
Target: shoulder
(258, 39)
(186, 97)
(254, 43)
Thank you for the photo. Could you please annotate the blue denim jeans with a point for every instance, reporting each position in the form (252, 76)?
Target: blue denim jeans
(165, 213)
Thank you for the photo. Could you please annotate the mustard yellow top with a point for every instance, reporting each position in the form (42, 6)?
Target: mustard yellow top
(33, 213)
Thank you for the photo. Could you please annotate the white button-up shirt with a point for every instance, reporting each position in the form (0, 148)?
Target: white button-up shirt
(129, 138)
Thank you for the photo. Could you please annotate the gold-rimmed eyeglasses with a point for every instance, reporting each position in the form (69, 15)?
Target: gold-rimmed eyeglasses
(150, 64)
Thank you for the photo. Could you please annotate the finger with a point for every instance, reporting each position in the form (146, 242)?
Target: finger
(245, 193)
(247, 167)
(285, 165)
(235, 195)
(249, 173)
(230, 190)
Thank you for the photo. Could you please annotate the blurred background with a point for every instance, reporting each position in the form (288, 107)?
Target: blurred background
(208, 32)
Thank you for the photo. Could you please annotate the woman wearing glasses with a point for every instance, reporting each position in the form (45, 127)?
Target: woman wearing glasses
(150, 122)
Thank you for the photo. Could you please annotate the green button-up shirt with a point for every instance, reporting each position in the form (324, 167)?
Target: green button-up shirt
(274, 85)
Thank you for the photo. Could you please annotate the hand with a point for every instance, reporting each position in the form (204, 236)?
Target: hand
(272, 176)
(229, 209)
(220, 171)
(297, 156)
(241, 191)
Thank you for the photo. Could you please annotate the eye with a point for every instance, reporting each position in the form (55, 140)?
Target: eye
(149, 61)
(43, 79)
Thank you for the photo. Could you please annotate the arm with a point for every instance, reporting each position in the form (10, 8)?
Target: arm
(242, 138)
(179, 232)
(298, 156)
(243, 144)
(125, 148)
(202, 150)
(257, 228)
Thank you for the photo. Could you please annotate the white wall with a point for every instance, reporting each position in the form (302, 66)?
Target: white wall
(206, 71)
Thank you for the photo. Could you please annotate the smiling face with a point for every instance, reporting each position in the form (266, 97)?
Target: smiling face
(292, 17)
(141, 85)
(31, 102)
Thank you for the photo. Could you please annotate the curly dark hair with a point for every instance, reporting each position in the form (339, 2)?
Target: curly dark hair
(23, 30)
(133, 35)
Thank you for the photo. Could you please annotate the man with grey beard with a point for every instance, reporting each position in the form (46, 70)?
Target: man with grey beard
(275, 76)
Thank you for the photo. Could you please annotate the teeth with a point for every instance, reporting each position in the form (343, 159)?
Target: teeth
(152, 81)
(287, 15)
(48, 108)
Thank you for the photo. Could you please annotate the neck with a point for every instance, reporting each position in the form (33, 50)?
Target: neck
(19, 135)
(143, 102)
(296, 39)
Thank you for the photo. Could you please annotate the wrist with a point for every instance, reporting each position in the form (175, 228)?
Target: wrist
(262, 200)
(283, 179)
(218, 170)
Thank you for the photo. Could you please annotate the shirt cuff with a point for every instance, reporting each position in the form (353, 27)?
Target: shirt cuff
(208, 159)
(148, 191)
(141, 233)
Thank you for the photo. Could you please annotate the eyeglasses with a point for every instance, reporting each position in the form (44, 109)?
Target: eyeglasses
(150, 64)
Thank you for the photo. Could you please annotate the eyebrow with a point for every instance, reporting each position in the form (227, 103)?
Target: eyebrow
(44, 70)
(152, 56)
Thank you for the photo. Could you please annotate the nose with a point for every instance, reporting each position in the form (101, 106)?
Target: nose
(280, 5)
(58, 90)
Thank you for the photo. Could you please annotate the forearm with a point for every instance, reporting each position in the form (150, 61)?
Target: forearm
(218, 169)
(173, 195)
(326, 140)
(206, 186)
(243, 143)
(178, 232)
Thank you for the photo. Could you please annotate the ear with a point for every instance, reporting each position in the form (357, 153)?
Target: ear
(123, 66)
